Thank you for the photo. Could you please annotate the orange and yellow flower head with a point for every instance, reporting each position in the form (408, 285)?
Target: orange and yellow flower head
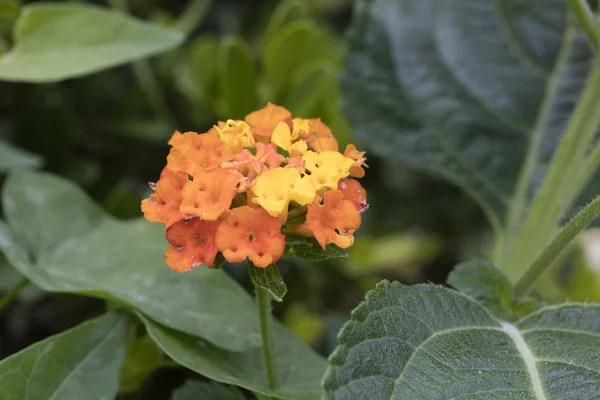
(240, 187)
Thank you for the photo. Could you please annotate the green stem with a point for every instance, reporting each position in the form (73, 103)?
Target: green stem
(558, 190)
(263, 301)
(520, 199)
(147, 80)
(192, 16)
(13, 293)
(586, 19)
(557, 245)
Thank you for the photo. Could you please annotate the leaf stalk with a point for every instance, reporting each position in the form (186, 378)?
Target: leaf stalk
(557, 245)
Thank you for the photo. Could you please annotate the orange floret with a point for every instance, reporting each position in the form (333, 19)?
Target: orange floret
(253, 233)
(319, 137)
(333, 221)
(210, 193)
(354, 192)
(356, 170)
(193, 244)
(163, 204)
(263, 121)
(192, 152)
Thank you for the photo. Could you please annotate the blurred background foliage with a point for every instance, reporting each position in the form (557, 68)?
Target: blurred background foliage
(108, 133)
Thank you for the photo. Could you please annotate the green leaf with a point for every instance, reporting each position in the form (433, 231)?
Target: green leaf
(9, 10)
(484, 283)
(288, 50)
(194, 390)
(287, 11)
(62, 242)
(56, 41)
(12, 157)
(268, 279)
(142, 357)
(197, 77)
(428, 342)
(299, 368)
(310, 249)
(82, 363)
(487, 285)
(311, 86)
(238, 87)
(463, 98)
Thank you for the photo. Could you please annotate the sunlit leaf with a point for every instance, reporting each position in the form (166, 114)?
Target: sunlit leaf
(56, 41)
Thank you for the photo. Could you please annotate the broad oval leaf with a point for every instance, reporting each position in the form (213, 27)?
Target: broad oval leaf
(56, 41)
(61, 241)
(194, 390)
(299, 368)
(13, 157)
(465, 97)
(82, 363)
(428, 342)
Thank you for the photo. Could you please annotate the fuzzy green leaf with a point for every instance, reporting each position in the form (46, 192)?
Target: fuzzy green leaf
(82, 363)
(429, 342)
(464, 97)
(310, 249)
(56, 41)
(268, 279)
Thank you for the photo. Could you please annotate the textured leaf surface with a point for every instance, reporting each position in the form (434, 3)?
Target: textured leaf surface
(63, 242)
(269, 279)
(463, 97)
(65, 40)
(299, 368)
(487, 285)
(194, 390)
(309, 248)
(80, 364)
(427, 342)
(12, 157)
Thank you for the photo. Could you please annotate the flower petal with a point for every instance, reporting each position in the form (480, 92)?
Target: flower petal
(354, 192)
(192, 152)
(193, 244)
(264, 121)
(253, 233)
(163, 204)
(333, 221)
(210, 194)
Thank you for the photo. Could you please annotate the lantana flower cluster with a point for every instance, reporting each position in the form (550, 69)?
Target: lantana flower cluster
(239, 188)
